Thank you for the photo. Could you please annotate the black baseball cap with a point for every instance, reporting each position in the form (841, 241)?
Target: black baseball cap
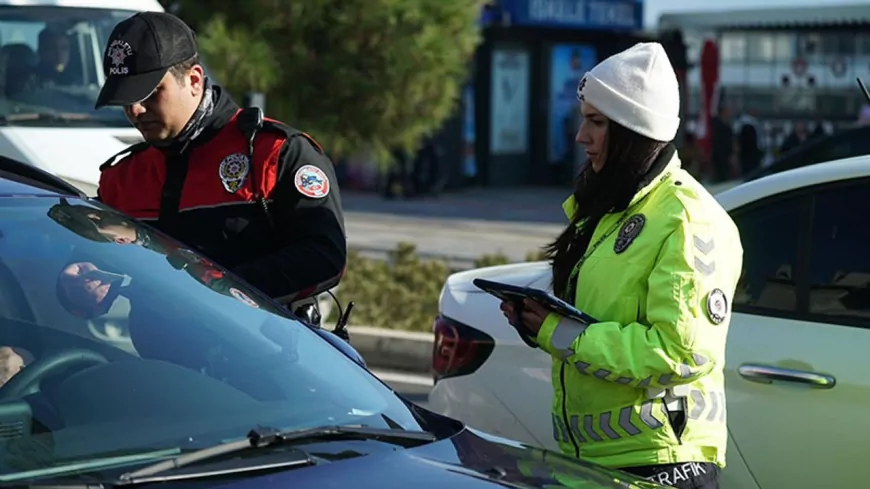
(140, 51)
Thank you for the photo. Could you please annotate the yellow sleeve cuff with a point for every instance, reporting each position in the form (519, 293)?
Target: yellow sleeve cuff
(545, 334)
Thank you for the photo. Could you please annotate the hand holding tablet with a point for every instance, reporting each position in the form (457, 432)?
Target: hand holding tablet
(517, 294)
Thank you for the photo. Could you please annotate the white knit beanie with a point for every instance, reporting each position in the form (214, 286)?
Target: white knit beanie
(638, 89)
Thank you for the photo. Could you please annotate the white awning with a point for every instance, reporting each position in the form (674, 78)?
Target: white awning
(845, 15)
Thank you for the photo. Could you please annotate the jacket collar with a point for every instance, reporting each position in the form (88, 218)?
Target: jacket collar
(665, 165)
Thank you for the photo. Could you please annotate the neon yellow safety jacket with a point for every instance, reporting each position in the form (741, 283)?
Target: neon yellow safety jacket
(659, 277)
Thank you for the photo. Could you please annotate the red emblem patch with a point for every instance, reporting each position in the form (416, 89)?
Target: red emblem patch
(312, 182)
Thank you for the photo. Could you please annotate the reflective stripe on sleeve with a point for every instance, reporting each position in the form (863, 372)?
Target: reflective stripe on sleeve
(566, 332)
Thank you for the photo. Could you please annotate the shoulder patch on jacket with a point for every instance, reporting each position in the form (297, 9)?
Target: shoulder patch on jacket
(130, 150)
(311, 182)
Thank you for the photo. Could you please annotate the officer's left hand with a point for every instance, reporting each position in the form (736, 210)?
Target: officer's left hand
(532, 316)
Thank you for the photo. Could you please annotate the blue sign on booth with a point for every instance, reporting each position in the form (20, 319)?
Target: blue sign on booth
(624, 15)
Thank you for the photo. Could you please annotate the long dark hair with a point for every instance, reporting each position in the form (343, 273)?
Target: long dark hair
(629, 158)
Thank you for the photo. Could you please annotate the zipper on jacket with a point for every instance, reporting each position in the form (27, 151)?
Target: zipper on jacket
(565, 412)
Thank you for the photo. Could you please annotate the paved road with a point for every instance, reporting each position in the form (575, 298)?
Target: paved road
(461, 239)
(462, 225)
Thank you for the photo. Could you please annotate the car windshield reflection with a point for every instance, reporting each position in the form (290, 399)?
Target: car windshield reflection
(133, 343)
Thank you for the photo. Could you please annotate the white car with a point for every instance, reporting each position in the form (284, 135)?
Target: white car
(798, 355)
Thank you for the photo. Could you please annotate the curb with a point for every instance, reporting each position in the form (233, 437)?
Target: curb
(390, 349)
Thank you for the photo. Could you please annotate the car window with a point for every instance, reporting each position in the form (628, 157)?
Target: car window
(847, 148)
(827, 148)
(768, 232)
(133, 341)
(840, 263)
(51, 64)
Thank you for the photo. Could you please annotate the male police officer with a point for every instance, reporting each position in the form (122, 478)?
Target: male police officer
(254, 195)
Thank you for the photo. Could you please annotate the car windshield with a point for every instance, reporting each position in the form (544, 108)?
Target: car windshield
(51, 66)
(132, 344)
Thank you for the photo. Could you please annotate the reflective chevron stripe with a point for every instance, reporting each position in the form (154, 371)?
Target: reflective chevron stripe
(704, 247)
(625, 421)
(588, 421)
(602, 373)
(685, 372)
(575, 428)
(646, 415)
(705, 268)
(631, 421)
(604, 425)
(581, 367)
(559, 431)
(713, 405)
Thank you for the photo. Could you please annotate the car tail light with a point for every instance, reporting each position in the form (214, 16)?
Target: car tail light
(458, 349)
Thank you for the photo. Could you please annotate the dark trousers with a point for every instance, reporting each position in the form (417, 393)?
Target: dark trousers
(691, 475)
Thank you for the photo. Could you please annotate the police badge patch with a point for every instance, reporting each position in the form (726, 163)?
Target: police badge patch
(628, 233)
(312, 182)
(117, 53)
(233, 171)
(717, 306)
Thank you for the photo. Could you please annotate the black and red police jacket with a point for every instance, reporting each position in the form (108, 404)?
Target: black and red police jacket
(210, 196)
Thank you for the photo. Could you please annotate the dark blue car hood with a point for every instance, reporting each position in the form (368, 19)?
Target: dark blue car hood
(468, 460)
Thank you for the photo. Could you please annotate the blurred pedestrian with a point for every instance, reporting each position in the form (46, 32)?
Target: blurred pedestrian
(796, 137)
(749, 150)
(722, 144)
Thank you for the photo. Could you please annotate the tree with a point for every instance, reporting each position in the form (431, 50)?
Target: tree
(356, 74)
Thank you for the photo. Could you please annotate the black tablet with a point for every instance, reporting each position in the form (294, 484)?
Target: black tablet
(515, 293)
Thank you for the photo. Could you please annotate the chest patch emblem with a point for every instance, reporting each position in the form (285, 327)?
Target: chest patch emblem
(717, 306)
(312, 182)
(632, 227)
(233, 171)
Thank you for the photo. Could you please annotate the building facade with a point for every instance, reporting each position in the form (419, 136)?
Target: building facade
(785, 66)
(520, 107)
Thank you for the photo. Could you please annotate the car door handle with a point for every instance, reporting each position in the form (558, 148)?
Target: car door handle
(767, 375)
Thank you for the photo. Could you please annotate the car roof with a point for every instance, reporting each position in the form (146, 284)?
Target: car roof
(854, 132)
(20, 179)
(138, 5)
(819, 173)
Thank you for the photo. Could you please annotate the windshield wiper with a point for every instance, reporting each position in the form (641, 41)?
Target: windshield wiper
(267, 437)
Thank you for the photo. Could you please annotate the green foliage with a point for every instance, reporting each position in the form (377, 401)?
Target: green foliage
(537, 255)
(356, 74)
(401, 292)
(255, 67)
(491, 260)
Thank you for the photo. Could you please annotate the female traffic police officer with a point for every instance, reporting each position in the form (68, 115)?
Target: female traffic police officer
(653, 257)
